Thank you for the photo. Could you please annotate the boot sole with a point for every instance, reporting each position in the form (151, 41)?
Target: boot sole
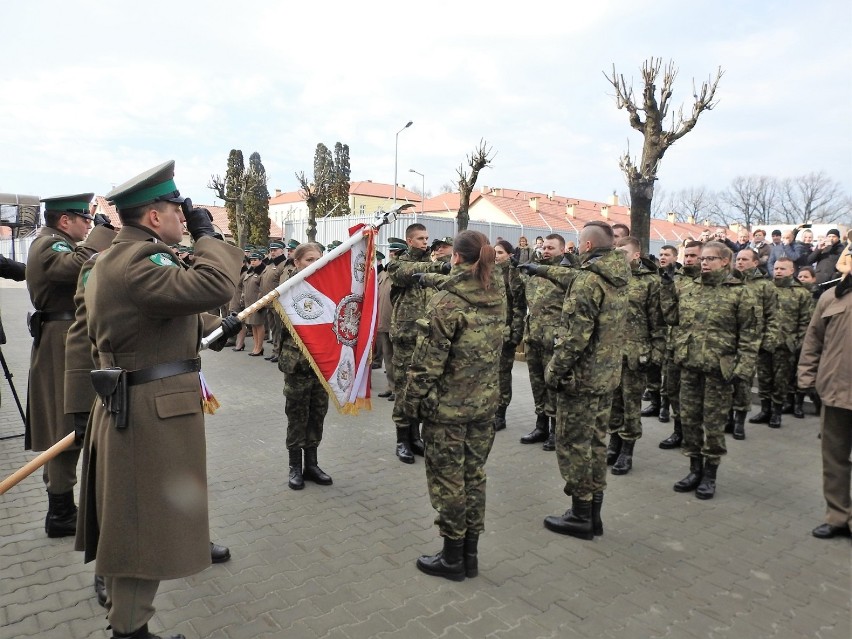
(432, 573)
(570, 533)
(295, 486)
(620, 471)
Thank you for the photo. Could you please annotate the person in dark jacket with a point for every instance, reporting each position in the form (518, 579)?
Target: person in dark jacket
(825, 256)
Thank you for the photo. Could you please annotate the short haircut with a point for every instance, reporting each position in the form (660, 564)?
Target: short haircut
(669, 247)
(631, 242)
(756, 231)
(598, 233)
(721, 249)
(51, 218)
(135, 214)
(784, 258)
(557, 237)
(754, 254)
(413, 228)
(694, 244)
(619, 225)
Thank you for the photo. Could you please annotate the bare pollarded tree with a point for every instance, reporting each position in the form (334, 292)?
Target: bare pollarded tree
(648, 116)
(481, 157)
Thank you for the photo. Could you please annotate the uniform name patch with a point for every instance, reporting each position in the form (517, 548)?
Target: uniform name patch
(61, 247)
(162, 259)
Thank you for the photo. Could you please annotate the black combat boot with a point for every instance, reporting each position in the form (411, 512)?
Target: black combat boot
(739, 424)
(312, 470)
(646, 396)
(613, 448)
(597, 524)
(471, 554)
(403, 448)
(142, 633)
(550, 444)
(417, 445)
(775, 416)
(577, 521)
(729, 422)
(707, 488)
(763, 416)
(296, 481)
(664, 415)
(61, 520)
(691, 481)
(787, 406)
(100, 590)
(624, 462)
(799, 405)
(654, 407)
(500, 418)
(675, 439)
(447, 563)
(539, 433)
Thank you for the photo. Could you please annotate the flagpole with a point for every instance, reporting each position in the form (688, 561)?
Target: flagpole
(266, 300)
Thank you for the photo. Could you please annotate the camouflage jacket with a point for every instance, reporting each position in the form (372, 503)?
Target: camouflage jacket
(718, 326)
(454, 374)
(589, 340)
(516, 301)
(794, 310)
(544, 302)
(408, 298)
(290, 358)
(767, 300)
(645, 331)
(683, 276)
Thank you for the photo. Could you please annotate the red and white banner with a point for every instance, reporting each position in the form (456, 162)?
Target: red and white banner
(332, 316)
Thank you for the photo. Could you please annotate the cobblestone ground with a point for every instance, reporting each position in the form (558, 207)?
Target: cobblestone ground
(338, 561)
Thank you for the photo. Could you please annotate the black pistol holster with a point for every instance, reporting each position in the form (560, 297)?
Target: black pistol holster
(111, 386)
(34, 323)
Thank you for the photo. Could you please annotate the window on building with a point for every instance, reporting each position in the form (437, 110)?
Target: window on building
(362, 209)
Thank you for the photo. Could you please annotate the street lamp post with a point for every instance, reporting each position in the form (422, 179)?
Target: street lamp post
(422, 188)
(395, 155)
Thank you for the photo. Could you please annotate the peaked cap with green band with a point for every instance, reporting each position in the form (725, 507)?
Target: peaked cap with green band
(292, 244)
(276, 245)
(380, 255)
(153, 185)
(78, 203)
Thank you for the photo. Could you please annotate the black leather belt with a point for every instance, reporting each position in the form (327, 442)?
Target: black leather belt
(161, 371)
(58, 316)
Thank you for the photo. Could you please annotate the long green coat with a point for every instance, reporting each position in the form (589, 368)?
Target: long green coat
(143, 505)
(53, 266)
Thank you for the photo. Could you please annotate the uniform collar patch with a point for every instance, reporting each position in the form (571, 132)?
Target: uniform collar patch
(162, 259)
(61, 247)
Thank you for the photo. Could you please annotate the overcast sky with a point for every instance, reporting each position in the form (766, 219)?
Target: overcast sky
(93, 92)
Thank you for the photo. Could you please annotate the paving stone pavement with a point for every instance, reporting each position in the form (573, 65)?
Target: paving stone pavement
(338, 562)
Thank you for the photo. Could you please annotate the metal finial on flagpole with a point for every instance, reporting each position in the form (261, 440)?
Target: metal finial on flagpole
(389, 217)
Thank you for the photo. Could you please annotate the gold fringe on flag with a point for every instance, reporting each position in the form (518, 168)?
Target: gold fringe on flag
(209, 403)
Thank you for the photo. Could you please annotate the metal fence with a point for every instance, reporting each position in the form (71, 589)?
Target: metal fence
(18, 249)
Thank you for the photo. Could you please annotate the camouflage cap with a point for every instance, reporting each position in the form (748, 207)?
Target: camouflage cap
(154, 185)
(77, 204)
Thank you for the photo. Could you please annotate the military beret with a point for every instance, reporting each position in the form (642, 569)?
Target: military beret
(255, 255)
(154, 185)
(292, 244)
(276, 245)
(380, 255)
(77, 204)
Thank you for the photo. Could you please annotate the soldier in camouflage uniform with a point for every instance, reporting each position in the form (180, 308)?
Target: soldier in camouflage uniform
(716, 344)
(409, 303)
(668, 255)
(776, 364)
(452, 385)
(643, 345)
(306, 398)
(516, 311)
(748, 265)
(584, 371)
(544, 300)
(682, 276)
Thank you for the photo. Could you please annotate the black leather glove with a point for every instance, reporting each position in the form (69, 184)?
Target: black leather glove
(199, 223)
(103, 220)
(514, 261)
(231, 325)
(421, 280)
(446, 267)
(529, 268)
(80, 422)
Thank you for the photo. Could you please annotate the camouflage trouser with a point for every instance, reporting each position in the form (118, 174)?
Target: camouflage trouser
(507, 361)
(705, 400)
(306, 405)
(742, 395)
(672, 377)
(537, 358)
(403, 349)
(455, 474)
(277, 327)
(624, 418)
(774, 374)
(581, 425)
(654, 378)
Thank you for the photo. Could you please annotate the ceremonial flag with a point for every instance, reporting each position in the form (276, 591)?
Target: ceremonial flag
(331, 315)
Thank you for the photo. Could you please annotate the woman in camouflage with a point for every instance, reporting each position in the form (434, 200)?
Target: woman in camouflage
(516, 310)
(453, 387)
